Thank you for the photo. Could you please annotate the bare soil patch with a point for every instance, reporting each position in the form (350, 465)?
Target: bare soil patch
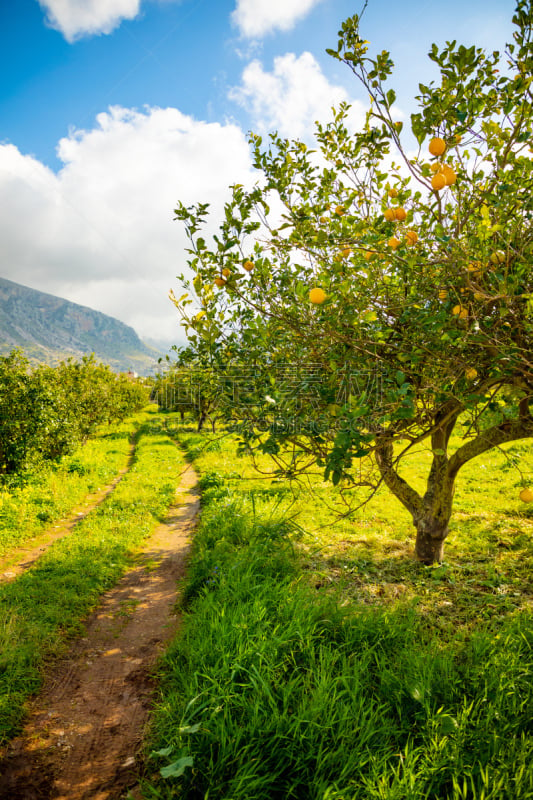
(82, 740)
(23, 557)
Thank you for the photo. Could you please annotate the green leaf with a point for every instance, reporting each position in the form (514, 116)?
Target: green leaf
(400, 378)
(177, 768)
(190, 728)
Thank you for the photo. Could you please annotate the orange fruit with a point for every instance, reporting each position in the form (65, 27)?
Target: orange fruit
(226, 272)
(340, 210)
(393, 192)
(458, 138)
(220, 282)
(438, 181)
(471, 373)
(411, 237)
(368, 254)
(526, 495)
(435, 167)
(317, 296)
(437, 146)
(322, 220)
(389, 214)
(449, 175)
(443, 294)
(460, 311)
(400, 214)
(248, 266)
(346, 251)
(393, 242)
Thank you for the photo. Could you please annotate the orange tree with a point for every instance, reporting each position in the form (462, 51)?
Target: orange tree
(398, 264)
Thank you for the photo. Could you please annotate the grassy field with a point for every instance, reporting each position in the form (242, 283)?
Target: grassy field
(45, 606)
(319, 660)
(27, 508)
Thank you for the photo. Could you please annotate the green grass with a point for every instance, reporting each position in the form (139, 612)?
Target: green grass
(319, 660)
(488, 556)
(45, 606)
(49, 494)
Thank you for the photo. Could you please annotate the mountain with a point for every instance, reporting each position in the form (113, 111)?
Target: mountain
(49, 329)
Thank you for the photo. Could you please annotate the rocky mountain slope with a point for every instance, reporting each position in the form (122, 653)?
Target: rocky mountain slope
(50, 329)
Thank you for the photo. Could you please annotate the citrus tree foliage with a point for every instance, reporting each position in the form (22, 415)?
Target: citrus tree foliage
(46, 412)
(401, 252)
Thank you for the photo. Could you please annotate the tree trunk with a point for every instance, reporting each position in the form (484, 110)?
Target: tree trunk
(430, 536)
(201, 421)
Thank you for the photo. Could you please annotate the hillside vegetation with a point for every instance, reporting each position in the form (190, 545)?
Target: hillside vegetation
(50, 329)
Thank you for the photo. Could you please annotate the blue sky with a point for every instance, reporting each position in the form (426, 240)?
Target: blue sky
(112, 110)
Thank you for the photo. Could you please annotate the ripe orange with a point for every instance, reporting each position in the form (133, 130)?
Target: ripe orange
(471, 373)
(389, 214)
(393, 242)
(460, 311)
(443, 294)
(437, 146)
(248, 266)
(226, 272)
(322, 220)
(346, 251)
(340, 210)
(435, 167)
(526, 495)
(411, 237)
(393, 192)
(400, 214)
(368, 254)
(220, 282)
(438, 181)
(317, 296)
(449, 175)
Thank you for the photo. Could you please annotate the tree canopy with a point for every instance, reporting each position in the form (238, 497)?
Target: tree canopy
(393, 263)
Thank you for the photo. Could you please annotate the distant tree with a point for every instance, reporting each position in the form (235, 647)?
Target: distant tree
(46, 412)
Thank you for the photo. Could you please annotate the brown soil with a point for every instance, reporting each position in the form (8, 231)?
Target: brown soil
(23, 557)
(84, 734)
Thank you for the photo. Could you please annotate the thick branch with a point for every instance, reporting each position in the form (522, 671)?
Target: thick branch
(398, 486)
(506, 432)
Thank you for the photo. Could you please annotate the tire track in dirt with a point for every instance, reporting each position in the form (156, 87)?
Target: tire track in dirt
(23, 557)
(83, 737)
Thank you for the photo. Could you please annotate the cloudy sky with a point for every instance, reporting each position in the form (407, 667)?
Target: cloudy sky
(113, 110)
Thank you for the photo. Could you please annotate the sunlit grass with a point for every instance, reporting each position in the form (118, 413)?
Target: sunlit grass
(319, 660)
(50, 493)
(45, 606)
(488, 554)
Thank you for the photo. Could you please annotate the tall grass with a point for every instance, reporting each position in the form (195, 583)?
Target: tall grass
(277, 689)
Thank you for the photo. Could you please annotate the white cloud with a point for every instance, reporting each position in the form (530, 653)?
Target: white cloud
(255, 18)
(77, 18)
(101, 231)
(292, 97)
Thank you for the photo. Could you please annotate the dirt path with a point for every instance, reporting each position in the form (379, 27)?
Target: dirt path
(83, 737)
(23, 557)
